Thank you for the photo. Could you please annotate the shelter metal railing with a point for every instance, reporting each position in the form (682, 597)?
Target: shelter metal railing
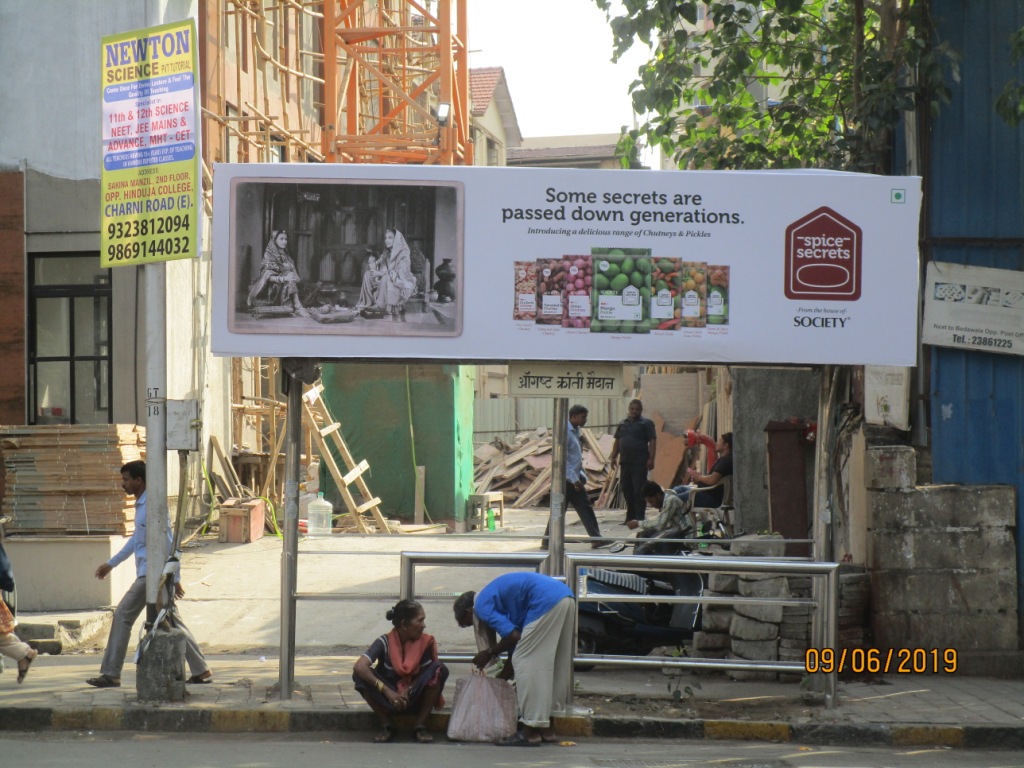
(824, 626)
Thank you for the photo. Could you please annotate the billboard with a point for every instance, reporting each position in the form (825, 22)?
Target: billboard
(476, 264)
(150, 179)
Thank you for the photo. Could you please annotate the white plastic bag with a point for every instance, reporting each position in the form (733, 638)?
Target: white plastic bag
(484, 709)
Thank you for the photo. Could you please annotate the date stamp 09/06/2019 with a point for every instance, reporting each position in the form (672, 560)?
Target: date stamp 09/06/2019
(901, 661)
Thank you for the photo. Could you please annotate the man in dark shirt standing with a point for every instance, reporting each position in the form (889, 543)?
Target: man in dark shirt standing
(634, 449)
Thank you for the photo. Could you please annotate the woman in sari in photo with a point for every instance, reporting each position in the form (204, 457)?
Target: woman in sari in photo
(278, 283)
(398, 283)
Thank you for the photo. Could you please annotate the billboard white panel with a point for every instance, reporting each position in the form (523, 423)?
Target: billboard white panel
(456, 263)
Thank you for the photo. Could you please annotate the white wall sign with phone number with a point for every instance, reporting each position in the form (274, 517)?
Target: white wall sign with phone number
(974, 308)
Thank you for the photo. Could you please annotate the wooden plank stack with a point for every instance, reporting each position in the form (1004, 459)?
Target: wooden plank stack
(522, 469)
(65, 478)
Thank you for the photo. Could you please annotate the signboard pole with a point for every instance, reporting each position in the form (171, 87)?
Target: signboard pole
(822, 522)
(154, 277)
(555, 564)
(290, 551)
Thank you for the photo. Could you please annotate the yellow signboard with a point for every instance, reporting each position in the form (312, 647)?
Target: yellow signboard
(150, 180)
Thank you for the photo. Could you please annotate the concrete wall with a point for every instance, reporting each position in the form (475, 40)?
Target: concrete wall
(56, 573)
(942, 560)
(761, 395)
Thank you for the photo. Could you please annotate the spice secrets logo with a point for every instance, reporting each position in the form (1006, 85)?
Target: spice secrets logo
(823, 257)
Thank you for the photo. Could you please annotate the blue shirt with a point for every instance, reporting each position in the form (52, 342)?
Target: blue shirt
(574, 456)
(513, 600)
(136, 543)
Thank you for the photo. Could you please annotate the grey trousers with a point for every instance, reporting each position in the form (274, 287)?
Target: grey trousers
(125, 615)
(543, 662)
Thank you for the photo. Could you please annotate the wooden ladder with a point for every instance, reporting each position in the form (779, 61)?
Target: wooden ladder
(326, 428)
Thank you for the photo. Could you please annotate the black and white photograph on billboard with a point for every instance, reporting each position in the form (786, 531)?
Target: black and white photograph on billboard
(346, 258)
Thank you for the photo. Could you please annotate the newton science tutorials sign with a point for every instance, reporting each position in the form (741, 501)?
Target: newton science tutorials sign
(504, 264)
(150, 176)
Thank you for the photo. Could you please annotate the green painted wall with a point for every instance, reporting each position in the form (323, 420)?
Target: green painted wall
(376, 403)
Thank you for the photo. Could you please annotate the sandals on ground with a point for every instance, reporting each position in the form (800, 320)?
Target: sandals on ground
(422, 735)
(104, 681)
(518, 739)
(27, 661)
(386, 735)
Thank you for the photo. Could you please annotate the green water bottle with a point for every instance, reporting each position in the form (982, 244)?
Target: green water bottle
(490, 518)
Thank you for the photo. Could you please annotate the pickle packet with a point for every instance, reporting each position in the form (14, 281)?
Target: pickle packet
(718, 294)
(666, 290)
(551, 276)
(621, 290)
(525, 297)
(694, 294)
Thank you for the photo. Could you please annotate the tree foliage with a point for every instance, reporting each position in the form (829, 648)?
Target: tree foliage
(1010, 102)
(780, 83)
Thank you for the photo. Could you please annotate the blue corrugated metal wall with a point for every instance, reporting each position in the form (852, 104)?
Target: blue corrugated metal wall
(976, 217)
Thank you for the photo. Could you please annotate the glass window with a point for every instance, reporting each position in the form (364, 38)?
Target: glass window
(92, 332)
(70, 339)
(69, 270)
(91, 388)
(53, 393)
(52, 328)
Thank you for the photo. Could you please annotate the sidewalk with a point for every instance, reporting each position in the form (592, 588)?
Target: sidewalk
(949, 711)
(232, 605)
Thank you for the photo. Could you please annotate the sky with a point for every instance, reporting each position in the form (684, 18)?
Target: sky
(557, 60)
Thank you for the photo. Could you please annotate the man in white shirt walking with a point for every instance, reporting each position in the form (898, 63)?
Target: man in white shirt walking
(133, 480)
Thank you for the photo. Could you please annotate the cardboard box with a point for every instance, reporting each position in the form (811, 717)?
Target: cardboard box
(242, 523)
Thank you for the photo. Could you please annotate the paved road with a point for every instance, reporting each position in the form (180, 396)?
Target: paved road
(89, 750)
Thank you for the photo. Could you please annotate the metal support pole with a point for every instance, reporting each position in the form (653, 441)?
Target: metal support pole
(831, 630)
(822, 526)
(154, 277)
(555, 565)
(290, 551)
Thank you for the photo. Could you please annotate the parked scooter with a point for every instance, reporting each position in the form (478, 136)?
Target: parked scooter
(635, 628)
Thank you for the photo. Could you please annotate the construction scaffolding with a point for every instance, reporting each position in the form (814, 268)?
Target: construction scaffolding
(351, 81)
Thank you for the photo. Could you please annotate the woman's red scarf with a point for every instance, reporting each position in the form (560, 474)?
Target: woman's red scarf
(406, 657)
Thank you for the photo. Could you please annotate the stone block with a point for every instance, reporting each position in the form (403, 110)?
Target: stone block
(709, 641)
(890, 467)
(776, 586)
(791, 646)
(743, 628)
(161, 670)
(769, 613)
(716, 619)
(723, 582)
(758, 546)
(756, 650)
